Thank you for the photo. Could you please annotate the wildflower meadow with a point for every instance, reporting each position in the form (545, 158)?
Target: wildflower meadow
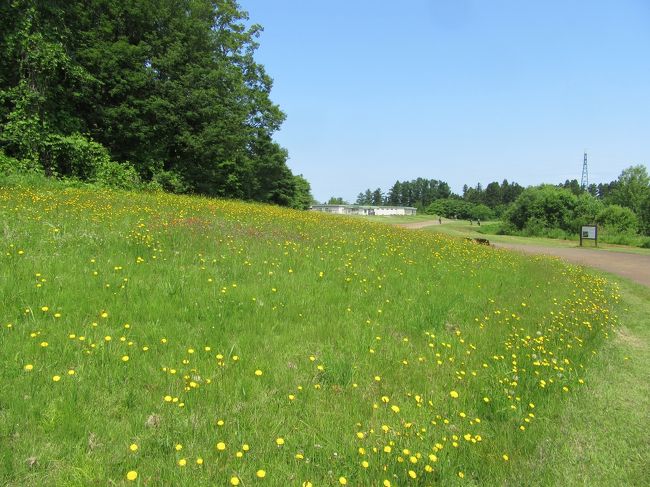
(153, 339)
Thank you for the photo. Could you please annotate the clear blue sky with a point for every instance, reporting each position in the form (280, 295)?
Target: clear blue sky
(459, 90)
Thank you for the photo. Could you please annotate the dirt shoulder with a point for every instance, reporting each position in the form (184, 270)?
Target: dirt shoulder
(632, 266)
(417, 225)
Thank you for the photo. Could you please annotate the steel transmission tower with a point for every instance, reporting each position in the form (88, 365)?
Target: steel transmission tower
(585, 175)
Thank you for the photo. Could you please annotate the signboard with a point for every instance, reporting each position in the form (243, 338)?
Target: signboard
(589, 232)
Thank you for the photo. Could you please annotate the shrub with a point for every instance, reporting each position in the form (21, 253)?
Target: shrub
(539, 209)
(10, 166)
(616, 219)
(74, 155)
(170, 181)
(115, 175)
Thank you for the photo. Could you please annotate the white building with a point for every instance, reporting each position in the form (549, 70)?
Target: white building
(365, 210)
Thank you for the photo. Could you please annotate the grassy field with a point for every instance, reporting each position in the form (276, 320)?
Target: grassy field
(462, 228)
(152, 339)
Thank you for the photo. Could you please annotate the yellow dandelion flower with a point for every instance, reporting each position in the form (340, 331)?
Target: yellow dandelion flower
(125, 358)
(56, 378)
(260, 474)
(28, 367)
(133, 447)
(343, 481)
(221, 446)
(234, 480)
(454, 394)
(132, 475)
(258, 372)
(199, 461)
(279, 441)
(412, 474)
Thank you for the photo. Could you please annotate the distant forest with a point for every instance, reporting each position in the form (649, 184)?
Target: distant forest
(621, 207)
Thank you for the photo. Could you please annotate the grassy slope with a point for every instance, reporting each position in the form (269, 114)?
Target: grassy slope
(600, 438)
(596, 440)
(344, 318)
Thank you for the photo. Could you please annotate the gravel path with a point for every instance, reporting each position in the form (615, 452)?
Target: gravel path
(635, 267)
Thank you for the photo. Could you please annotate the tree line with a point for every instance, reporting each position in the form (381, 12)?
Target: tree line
(149, 92)
(621, 207)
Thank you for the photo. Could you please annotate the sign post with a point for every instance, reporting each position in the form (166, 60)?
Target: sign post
(589, 232)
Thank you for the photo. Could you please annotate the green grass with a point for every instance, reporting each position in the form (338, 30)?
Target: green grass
(362, 333)
(600, 438)
(457, 228)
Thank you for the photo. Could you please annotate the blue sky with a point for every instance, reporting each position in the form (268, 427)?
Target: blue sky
(458, 90)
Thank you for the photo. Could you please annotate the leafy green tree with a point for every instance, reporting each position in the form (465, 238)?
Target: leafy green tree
(632, 189)
(171, 89)
(337, 200)
(492, 196)
(644, 216)
(586, 210)
(543, 208)
(302, 198)
(572, 185)
(377, 197)
(510, 191)
(395, 194)
(481, 212)
(618, 220)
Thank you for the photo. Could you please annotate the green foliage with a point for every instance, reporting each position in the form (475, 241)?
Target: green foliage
(172, 87)
(336, 200)
(457, 208)
(616, 219)
(480, 212)
(633, 188)
(11, 166)
(302, 198)
(644, 216)
(586, 210)
(170, 181)
(74, 156)
(543, 208)
(112, 174)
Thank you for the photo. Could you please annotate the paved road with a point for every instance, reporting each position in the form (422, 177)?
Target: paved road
(633, 266)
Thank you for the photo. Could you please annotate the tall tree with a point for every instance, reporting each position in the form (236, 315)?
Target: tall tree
(171, 87)
(632, 189)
